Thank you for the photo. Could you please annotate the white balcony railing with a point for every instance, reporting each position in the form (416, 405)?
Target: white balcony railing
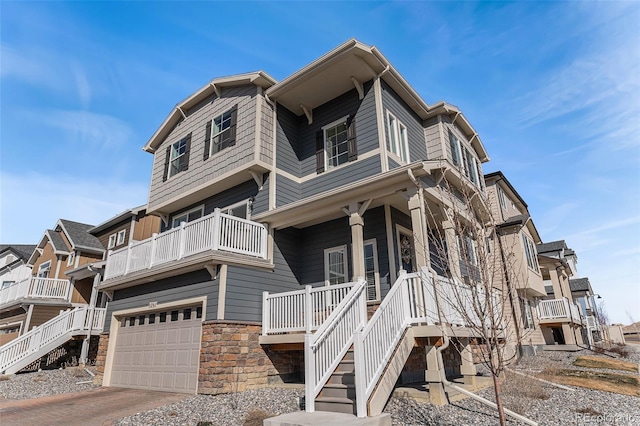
(217, 231)
(559, 309)
(36, 288)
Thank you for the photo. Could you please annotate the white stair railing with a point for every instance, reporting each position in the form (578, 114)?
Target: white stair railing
(217, 231)
(301, 310)
(324, 349)
(61, 326)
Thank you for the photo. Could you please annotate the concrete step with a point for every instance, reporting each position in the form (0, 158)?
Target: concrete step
(336, 405)
(342, 378)
(338, 391)
(324, 418)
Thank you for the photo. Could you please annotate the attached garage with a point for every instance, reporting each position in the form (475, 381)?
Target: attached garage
(158, 350)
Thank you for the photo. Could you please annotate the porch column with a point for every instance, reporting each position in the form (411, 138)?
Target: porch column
(467, 368)
(357, 241)
(84, 352)
(419, 227)
(433, 376)
(452, 244)
(555, 281)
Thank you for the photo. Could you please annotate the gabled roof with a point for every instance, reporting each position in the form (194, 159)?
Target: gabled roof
(117, 219)
(580, 284)
(500, 176)
(79, 236)
(56, 241)
(259, 78)
(22, 251)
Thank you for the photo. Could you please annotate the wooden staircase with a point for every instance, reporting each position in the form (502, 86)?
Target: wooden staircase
(339, 393)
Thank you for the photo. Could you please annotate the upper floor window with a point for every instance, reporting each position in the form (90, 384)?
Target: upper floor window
(336, 144)
(112, 241)
(71, 258)
(455, 149)
(220, 132)
(188, 216)
(6, 284)
(501, 199)
(527, 314)
(530, 253)
(121, 235)
(398, 138)
(240, 209)
(43, 269)
(335, 265)
(177, 158)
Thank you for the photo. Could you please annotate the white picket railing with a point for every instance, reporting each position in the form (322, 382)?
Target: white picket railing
(324, 349)
(69, 322)
(559, 309)
(300, 310)
(36, 288)
(217, 231)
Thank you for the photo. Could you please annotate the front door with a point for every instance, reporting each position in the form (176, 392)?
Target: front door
(406, 249)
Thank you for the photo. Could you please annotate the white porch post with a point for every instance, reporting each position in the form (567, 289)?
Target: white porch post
(357, 241)
(84, 352)
(419, 228)
(452, 244)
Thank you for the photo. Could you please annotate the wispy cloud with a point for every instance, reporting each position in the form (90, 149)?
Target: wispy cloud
(32, 203)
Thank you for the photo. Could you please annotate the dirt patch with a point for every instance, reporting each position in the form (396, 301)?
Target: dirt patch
(611, 364)
(609, 382)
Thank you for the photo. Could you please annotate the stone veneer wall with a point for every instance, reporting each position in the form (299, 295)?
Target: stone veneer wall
(232, 360)
(101, 357)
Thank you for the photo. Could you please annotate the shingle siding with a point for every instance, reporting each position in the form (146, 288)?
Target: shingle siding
(186, 286)
(432, 138)
(200, 171)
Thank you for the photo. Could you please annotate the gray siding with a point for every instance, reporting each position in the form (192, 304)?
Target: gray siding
(245, 285)
(393, 163)
(392, 102)
(432, 137)
(287, 156)
(375, 227)
(287, 191)
(200, 171)
(261, 201)
(315, 240)
(266, 131)
(343, 175)
(193, 284)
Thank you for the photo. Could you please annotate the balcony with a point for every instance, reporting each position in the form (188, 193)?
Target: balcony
(558, 310)
(35, 288)
(221, 235)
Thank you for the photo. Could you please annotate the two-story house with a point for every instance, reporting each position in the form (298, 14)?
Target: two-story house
(13, 270)
(558, 314)
(515, 244)
(275, 199)
(583, 295)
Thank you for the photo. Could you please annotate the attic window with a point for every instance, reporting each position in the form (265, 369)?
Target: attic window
(336, 144)
(220, 132)
(177, 157)
(71, 258)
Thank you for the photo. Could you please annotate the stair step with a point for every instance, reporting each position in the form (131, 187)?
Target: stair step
(336, 390)
(342, 378)
(346, 366)
(348, 356)
(335, 405)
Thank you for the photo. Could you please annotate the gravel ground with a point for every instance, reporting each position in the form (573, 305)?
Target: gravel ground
(551, 406)
(44, 383)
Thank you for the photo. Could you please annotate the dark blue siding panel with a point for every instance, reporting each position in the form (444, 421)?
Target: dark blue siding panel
(374, 227)
(261, 201)
(315, 239)
(287, 157)
(193, 284)
(245, 285)
(417, 143)
(404, 220)
(351, 172)
(287, 191)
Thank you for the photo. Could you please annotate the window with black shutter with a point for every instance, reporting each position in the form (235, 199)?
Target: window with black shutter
(177, 157)
(221, 132)
(336, 144)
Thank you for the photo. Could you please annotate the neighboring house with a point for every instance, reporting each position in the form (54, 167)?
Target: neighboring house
(559, 315)
(53, 303)
(300, 186)
(583, 295)
(13, 270)
(517, 246)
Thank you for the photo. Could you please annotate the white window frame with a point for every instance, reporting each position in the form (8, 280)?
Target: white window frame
(226, 209)
(456, 154)
(112, 241)
(213, 147)
(121, 234)
(501, 196)
(6, 284)
(44, 266)
(527, 315)
(376, 270)
(186, 214)
(71, 258)
(530, 253)
(327, 252)
(175, 148)
(342, 120)
(398, 131)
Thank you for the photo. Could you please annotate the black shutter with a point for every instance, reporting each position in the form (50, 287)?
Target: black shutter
(187, 149)
(207, 141)
(352, 145)
(232, 128)
(319, 151)
(166, 164)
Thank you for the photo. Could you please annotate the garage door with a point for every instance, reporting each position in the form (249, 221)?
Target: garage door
(159, 351)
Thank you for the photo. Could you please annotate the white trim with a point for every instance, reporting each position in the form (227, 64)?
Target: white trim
(324, 141)
(187, 213)
(115, 237)
(314, 175)
(376, 268)
(377, 91)
(390, 253)
(258, 124)
(115, 326)
(402, 142)
(342, 248)
(122, 232)
(222, 291)
(272, 176)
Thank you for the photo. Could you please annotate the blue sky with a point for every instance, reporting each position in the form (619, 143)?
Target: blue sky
(553, 89)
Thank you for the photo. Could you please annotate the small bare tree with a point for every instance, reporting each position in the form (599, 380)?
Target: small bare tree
(478, 275)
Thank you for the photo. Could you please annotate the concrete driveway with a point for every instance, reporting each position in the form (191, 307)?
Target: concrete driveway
(100, 406)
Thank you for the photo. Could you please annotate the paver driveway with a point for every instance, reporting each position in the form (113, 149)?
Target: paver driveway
(101, 406)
